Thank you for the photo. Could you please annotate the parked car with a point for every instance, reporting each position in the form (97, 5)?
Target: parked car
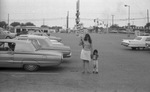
(4, 34)
(138, 42)
(23, 54)
(46, 44)
(50, 37)
(56, 42)
(148, 43)
(113, 31)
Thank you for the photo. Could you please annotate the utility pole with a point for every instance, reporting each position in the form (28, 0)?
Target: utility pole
(112, 20)
(8, 21)
(67, 22)
(148, 18)
(128, 19)
(43, 21)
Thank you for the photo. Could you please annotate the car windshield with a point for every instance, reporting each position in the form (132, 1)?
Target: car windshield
(138, 38)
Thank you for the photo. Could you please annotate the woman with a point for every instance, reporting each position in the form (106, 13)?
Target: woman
(86, 43)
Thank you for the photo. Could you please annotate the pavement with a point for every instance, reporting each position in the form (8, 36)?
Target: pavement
(120, 70)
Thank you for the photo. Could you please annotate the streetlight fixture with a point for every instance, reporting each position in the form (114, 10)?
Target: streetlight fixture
(128, 18)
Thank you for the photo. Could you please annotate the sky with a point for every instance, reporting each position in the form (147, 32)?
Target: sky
(54, 12)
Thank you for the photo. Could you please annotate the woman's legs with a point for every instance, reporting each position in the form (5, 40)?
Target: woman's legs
(87, 66)
(83, 66)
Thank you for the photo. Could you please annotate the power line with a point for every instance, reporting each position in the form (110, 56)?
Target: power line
(72, 18)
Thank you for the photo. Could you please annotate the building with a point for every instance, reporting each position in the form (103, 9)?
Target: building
(27, 29)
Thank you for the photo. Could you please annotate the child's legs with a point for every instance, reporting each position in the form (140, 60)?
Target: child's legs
(94, 65)
(96, 68)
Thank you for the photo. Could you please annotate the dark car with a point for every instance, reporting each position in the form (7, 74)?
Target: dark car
(16, 53)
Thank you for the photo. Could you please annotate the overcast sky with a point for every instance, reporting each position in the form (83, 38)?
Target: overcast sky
(54, 12)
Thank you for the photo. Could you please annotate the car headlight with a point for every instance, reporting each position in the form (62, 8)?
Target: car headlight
(147, 45)
(62, 58)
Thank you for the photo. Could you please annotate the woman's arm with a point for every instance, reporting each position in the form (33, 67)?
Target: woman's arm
(81, 43)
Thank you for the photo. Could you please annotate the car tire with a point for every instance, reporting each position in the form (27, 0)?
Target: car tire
(133, 48)
(31, 67)
(8, 37)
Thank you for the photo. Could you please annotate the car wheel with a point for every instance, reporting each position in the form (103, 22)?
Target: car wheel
(8, 37)
(133, 48)
(31, 67)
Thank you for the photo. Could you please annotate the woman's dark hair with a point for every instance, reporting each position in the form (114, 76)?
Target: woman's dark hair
(95, 51)
(88, 38)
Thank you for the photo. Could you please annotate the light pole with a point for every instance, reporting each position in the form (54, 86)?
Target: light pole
(112, 20)
(128, 18)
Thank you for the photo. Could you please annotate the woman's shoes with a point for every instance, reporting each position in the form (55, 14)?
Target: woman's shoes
(94, 72)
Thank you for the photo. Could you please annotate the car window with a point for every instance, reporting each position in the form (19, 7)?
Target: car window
(147, 39)
(35, 43)
(7, 46)
(43, 43)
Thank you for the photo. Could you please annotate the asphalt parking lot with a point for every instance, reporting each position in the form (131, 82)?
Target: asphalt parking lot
(120, 70)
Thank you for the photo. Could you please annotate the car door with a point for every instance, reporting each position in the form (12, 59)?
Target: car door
(6, 55)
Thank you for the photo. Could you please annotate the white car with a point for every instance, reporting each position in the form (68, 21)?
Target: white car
(138, 42)
(54, 42)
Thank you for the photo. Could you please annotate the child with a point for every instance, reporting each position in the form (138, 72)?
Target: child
(95, 61)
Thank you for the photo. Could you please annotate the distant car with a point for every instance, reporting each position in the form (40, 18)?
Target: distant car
(123, 31)
(23, 54)
(148, 43)
(46, 44)
(6, 34)
(50, 37)
(138, 42)
(113, 31)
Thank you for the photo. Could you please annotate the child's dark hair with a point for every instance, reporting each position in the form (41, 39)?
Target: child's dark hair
(95, 51)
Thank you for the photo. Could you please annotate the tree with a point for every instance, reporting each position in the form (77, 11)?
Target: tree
(22, 24)
(147, 25)
(3, 24)
(115, 26)
(29, 24)
(45, 26)
(14, 24)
